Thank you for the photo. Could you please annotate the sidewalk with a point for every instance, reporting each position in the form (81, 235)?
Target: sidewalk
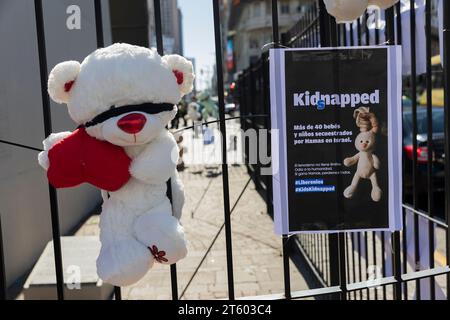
(257, 258)
(257, 252)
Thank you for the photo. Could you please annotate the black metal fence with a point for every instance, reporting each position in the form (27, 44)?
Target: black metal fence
(371, 265)
(339, 261)
(48, 129)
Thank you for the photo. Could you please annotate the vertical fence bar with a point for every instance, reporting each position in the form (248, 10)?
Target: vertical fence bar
(225, 182)
(158, 27)
(357, 239)
(429, 88)
(383, 260)
(446, 58)
(352, 35)
(160, 49)
(366, 264)
(396, 258)
(99, 23)
(286, 269)
(412, 27)
(2, 266)
(48, 130)
(366, 29)
(324, 22)
(275, 27)
(322, 261)
(358, 30)
(404, 263)
(285, 238)
(344, 35)
(347, 260)
(374, 249)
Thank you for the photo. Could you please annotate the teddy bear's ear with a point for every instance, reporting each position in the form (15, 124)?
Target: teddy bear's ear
(61, 80)
(182, 71)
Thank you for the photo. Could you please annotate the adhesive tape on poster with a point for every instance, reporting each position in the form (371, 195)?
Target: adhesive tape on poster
(346, 10)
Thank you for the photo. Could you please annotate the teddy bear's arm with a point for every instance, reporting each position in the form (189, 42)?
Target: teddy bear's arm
(48, 143)
(376, 162)
(350, 161)
(157, 162)
(177, 195)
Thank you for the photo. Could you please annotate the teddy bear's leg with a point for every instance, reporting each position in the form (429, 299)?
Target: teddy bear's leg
(123, 262)
(350, 190)
(162, 234)
(376, 190)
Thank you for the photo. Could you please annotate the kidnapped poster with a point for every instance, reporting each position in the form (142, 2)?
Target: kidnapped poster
(337, 113)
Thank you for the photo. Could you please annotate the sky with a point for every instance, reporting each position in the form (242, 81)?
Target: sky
(198, 37)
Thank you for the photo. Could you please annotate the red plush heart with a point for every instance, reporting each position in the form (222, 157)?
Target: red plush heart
(81, 158)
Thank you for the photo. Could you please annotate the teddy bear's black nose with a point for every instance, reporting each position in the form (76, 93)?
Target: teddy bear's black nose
(132, 123)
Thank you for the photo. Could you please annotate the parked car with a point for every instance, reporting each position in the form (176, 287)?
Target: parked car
(230, 108)
(438, 157)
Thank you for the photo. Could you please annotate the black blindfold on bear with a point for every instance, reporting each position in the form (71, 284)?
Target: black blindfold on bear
(149, 108)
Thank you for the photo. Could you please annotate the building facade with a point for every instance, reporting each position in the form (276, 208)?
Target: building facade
(171, 20)
(249, 25)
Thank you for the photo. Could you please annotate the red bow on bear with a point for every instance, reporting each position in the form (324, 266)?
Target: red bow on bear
(81, 158)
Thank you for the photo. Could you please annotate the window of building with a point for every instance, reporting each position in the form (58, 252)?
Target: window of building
(256, 9)
(253, 43)
(284, 8)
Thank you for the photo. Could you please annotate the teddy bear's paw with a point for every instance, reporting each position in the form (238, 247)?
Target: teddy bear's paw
(48, 143)
(376, 164)
(124, 263)
(347, 162)
(43, 159)
(349, 191)
(376, 194)
(163, 235)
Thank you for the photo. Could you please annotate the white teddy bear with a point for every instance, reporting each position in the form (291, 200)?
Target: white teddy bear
(123, 97)
(368, 162)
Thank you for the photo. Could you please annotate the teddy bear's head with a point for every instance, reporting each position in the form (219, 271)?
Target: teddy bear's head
(365, 141)
(123, 94)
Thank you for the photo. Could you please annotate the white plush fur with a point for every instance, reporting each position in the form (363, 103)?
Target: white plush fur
(61, 74)
(367, 164)
(48, 143)
(176, 62)
(118, 75)
(346, 10)
(383, 4)
(139, 215)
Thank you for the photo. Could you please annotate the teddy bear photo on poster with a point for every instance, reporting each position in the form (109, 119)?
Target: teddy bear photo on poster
(367, 162)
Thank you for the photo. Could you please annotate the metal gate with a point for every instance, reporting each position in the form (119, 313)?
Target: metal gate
(48, 130)
(331, 258)
(343, 263)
